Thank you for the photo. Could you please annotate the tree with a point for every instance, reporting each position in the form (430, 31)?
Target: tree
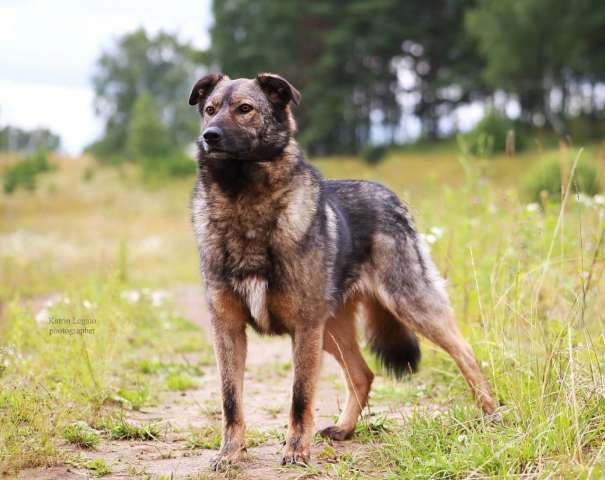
(345, 56)
(336, 52)
(443, 59)
(21, 140)
(531, 47)
(160, 68)
(148, 137)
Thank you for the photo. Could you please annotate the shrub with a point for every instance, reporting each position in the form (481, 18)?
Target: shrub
(24, 172)
(149, 144)
(546, 177)
(489, 135)
(373, 154)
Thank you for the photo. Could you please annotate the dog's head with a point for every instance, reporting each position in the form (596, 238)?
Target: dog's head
(245, 119)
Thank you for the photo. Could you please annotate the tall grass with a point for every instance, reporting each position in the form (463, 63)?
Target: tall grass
(528, 288)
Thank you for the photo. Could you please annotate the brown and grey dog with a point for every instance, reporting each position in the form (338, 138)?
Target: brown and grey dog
(287, 252)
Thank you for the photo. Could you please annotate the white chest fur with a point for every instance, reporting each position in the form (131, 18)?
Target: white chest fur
(254, 293)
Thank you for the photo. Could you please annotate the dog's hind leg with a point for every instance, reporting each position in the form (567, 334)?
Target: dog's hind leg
(431, 315)
(340, 340)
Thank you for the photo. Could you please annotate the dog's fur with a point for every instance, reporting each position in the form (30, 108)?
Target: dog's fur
(285, 251)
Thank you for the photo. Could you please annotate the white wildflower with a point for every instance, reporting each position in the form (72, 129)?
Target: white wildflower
(599, 199)
(462, 438)
(437, 231)
(532, 207)
(151, 244)
(584, 199)
(42, 316)
(87, 304)
(131, 296)
(430, 238)
(158, 297)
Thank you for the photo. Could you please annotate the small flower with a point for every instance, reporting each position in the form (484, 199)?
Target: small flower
(87, 304)
(599, 199)
(437, 231)
(42, 316)
(157, 298)
(584, 199)
(430, 238)
(532, 207)
(462, 438)
(131, 296)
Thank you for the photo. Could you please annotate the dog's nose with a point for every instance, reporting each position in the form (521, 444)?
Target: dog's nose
(212, 134)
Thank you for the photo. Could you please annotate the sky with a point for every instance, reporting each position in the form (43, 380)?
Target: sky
(48, 50)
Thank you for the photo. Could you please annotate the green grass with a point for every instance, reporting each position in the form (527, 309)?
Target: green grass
(121, 429)
(99, 467)
(528, 287)
(81, 435)
(208, 437)
(180, 382)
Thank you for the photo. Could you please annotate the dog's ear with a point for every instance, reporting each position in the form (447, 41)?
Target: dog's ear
(278, 89)
(203, 87)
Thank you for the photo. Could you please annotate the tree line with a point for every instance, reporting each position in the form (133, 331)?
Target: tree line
(355, 60)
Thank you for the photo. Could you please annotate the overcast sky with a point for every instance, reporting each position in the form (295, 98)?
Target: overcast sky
(48, 49)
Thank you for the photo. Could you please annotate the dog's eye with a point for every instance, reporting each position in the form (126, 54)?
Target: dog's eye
(244, 108)
(210, 110)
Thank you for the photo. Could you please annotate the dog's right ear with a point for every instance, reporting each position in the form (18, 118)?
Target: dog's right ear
(203, 87)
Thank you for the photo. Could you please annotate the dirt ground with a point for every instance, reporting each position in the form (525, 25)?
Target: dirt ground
(266, 401)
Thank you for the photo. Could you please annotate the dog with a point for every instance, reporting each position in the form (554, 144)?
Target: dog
(287, 252)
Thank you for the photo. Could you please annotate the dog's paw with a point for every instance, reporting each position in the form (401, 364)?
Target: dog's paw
(296, 455)
(497, 416)
(226, 458)
(336, 433)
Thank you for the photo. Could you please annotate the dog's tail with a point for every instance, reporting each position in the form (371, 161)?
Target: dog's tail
(395, 345)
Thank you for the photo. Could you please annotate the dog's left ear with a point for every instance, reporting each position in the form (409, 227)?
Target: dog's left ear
(278, 89)
(203, 87)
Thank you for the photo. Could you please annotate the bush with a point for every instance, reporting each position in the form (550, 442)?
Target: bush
(149, 144)
(373, 154)
(24, 172)
(546, 177)
(489, 135)
(176, 164)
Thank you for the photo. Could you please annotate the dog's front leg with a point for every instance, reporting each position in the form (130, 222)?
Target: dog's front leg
(229, 325)
(307, 346)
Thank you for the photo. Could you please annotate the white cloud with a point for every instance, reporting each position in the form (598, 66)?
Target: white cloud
(67, 110)
(53, 46)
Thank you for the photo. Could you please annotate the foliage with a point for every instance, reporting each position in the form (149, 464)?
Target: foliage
(148, 143)
(489, 135)
(511, 37)
(342, 56)
(546, 178)
(159, 68)
(23, 173)
(20, 140)
(373, 154)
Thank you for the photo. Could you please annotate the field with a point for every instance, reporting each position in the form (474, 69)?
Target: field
(106, 365)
